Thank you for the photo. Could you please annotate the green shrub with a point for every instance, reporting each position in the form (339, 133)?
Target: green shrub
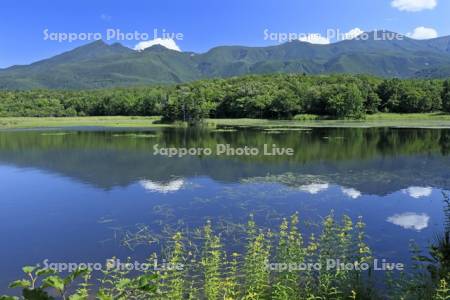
(267, 269)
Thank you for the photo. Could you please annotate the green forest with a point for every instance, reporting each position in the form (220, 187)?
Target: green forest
(279, 96)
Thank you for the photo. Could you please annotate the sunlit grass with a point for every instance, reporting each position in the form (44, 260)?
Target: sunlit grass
(47, 122)
(419, 120)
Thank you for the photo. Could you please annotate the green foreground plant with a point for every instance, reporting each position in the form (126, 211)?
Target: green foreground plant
(267, 267)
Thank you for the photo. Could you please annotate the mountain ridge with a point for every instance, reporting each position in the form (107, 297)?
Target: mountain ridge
(99, 65)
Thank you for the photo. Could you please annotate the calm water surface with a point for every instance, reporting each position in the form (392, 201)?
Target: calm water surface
(78, 196)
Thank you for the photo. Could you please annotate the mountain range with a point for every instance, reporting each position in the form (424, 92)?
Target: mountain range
(99, 65)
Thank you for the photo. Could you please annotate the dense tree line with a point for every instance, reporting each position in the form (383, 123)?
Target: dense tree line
(280, 96)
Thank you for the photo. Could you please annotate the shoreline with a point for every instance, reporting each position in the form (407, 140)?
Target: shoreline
(420, 120)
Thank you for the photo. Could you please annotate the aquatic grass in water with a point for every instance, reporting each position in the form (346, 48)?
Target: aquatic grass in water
(136, 135)
(55, 133)
(224, 130)
(223, 198)
(264, 269)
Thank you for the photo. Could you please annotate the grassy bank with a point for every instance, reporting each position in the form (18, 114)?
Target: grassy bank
(47, 122)
(421, 120)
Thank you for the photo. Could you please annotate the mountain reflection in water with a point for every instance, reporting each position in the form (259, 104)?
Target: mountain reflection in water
(69, 196)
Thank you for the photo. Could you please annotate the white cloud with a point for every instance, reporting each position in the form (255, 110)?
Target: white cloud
(314, 188)
(423, 33)
(418, 192)
(171, 186)
(352, 193)
(414, 5)
(315, 38)
(168, 43)
(353, 33)
(410, 220)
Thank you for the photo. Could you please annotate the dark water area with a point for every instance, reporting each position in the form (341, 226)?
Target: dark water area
(78, 196)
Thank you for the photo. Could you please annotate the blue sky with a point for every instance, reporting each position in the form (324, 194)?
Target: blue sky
(205, 23)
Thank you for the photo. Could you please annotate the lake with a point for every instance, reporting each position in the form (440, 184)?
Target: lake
(88, 194)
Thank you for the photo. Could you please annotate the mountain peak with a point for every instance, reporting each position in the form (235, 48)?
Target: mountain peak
(156, 48)
(94, 50)
(101, 45)
(97, 64)
(96, 43)
(166, 43)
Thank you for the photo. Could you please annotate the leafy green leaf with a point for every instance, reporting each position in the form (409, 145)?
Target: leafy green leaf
(36, 294)
(28, 269)
(101, 295)
(123, 283)
(77, 297)
(55, 282)
(20, 283)
(4, 297)
(44, 272)
(74, 275)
